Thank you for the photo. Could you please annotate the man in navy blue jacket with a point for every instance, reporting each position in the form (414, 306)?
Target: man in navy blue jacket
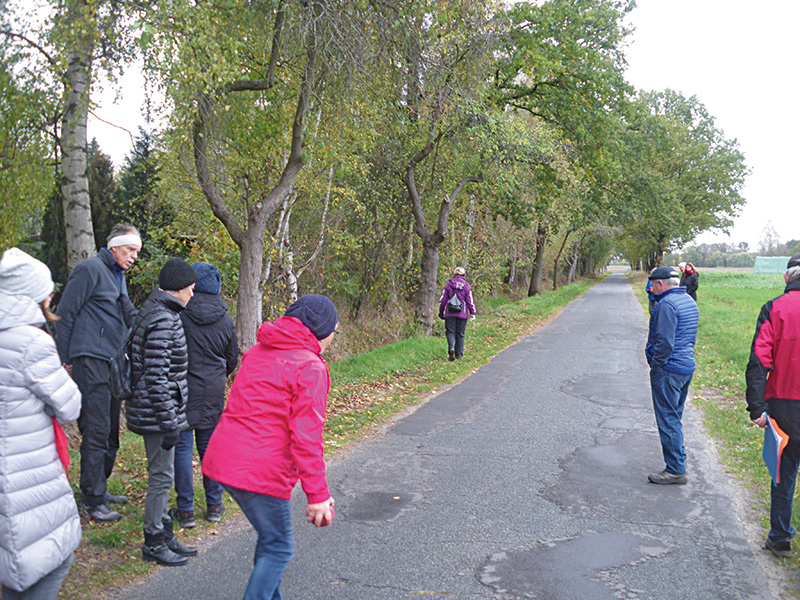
(670, 354)
(95, 313)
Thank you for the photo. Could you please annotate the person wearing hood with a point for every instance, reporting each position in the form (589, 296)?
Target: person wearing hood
(455, 307)
(39, 522)
(213, 355)
(270, 435)
(157, 408)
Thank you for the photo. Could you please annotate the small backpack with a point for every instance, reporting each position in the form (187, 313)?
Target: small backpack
(454, 305)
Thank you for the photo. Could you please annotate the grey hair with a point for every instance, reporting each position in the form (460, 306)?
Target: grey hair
(792, 273)
(122, 229)
(671, 282)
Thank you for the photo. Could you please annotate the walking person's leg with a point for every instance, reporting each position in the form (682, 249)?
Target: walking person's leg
(161, 470)
(669, 395)
(184, 480)
(450, 333)
(214, 507)
(271, 518)
(782, 495)
(461, 329)
(94, 422)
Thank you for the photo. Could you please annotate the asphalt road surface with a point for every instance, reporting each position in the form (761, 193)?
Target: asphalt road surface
(527, 480)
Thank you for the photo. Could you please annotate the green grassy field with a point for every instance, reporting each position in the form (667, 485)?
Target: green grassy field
(366, 390)
(729, 303)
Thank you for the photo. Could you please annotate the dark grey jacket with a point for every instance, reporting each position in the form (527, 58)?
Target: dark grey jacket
(213, 355)
(95, 310)
(159, 363)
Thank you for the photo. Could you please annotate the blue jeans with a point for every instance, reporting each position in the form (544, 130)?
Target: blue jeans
(781, 495)
(669, 392)
(184, 474)
(272, 520)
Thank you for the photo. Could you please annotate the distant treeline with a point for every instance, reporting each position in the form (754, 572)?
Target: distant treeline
(728, 255)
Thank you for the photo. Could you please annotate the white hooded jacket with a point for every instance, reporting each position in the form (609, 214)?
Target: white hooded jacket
(39, 522)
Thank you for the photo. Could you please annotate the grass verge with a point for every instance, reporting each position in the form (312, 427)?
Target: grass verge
(729, 303)
(366, 391)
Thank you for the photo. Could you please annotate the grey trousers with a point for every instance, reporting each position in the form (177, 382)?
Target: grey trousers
(44, 589)
(161, 473)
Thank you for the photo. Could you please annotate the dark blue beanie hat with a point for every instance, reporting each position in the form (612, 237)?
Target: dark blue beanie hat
(209, 281)
(316, 312)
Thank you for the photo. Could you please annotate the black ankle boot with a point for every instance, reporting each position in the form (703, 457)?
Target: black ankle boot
(155, 549)
(172, 541)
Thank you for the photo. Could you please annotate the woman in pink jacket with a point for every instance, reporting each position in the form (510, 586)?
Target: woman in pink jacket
(270, 435)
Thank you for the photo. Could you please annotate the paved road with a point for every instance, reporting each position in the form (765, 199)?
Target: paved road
(527, 480)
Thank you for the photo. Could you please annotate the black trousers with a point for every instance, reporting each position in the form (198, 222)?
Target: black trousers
(455, 329)
(99, 426)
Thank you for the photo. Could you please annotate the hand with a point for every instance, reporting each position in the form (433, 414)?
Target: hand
(68, 368)
(472, 318)
(321, 513)
(170, 439)
(761, 421)
(441, 316)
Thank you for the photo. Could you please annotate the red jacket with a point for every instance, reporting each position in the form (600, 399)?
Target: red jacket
(774, 367)
(270, 433)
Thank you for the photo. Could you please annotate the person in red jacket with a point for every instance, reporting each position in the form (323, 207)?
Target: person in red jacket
(270, 435)
(773, 386)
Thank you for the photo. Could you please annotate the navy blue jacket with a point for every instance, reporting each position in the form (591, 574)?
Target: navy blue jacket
(95, 310)
(213, 355)
(673, 332)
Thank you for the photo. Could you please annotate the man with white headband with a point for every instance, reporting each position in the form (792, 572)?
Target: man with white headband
(96, 313)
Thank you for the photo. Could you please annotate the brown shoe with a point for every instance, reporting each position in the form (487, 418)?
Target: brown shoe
(667, 478)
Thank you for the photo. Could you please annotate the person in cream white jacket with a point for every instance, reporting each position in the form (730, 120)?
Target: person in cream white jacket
(39, 523)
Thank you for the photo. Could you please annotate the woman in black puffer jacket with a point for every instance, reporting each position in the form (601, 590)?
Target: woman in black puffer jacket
(157, 409)
(159, 365)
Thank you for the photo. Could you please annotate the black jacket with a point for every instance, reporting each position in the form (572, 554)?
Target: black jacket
(159, 363)
(95, 310)
(213, 355)
(691, 283)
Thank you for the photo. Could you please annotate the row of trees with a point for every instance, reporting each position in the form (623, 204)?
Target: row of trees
(355, 146)
(733, 255)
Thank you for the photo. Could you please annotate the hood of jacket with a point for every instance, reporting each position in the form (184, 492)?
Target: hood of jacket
(205, 309)
(287, 333)
(19, 310)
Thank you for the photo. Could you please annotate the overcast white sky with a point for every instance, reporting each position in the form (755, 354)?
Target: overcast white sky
(739, 57)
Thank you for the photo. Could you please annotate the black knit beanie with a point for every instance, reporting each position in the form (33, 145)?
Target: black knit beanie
(316, 312)
(176, 274)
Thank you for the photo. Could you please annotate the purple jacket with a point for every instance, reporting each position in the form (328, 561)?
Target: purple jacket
(457, 286)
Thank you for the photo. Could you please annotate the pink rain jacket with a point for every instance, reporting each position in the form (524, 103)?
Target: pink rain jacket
(270, 433)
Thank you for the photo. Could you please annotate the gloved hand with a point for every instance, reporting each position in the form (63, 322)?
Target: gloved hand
(170, 439)
(441, 316)
(472, 318)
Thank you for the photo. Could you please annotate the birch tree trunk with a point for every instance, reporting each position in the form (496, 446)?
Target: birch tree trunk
(74, 165)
